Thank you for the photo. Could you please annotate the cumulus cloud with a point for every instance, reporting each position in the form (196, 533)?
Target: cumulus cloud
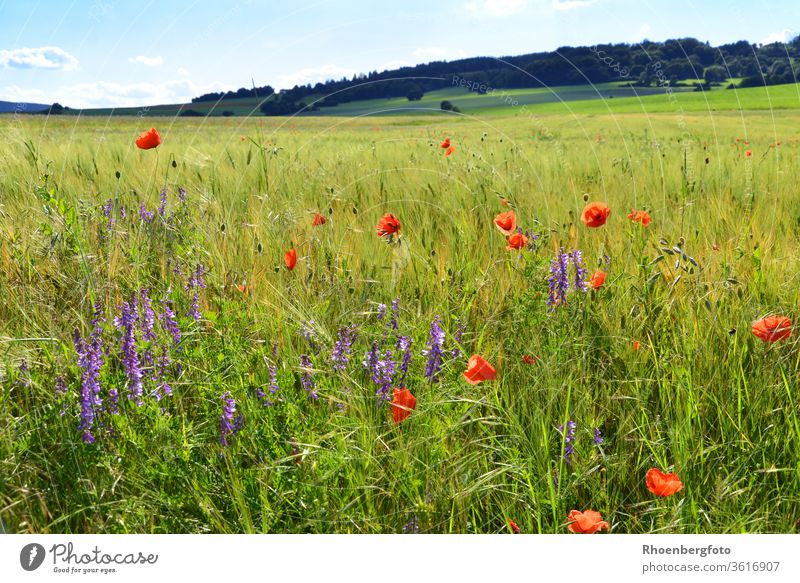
(438, 54)
(782, 36)
(313, 75)
(54, 58)
(107, 94)
(147, 61)
(570, 4)
(495, 8)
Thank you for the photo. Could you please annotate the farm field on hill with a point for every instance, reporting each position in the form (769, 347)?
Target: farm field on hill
(227, 333)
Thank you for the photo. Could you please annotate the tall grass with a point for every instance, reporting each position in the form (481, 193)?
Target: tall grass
(701, 396)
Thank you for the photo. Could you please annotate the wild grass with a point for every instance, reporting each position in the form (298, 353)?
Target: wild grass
(701, 396)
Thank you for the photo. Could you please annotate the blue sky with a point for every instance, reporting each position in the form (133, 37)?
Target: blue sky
(122, 53)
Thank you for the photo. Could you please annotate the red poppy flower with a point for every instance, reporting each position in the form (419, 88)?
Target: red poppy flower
(595, 214)
(478, 369)
(513, 526)
(662, 484)
(403, 403)
(516, 241)
(772, 328)
(388, 225)
(149, 139)
(242, 287)
(598, 279)
(506, 222)
(449, 150)
(528, 359)
(636, 345)
(748, 153)
(639, 217)
(445, 143)
(586, 522)
(318, 220)
(290, 259)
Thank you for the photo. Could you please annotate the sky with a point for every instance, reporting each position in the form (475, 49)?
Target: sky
(104, 53)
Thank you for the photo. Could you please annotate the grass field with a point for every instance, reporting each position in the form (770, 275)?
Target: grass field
(700, 395)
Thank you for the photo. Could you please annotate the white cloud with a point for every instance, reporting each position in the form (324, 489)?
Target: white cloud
(391, 65)
(54, 58)
(313, 75)
(183, 72)
(782, 36)
(570, 4)
(106, 94)
(438, 54)
(495, 8)
(147, 61)
(644, 29)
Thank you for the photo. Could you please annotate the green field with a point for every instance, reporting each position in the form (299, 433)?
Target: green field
(702, 396)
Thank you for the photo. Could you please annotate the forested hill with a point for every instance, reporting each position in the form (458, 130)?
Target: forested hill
(643, 64)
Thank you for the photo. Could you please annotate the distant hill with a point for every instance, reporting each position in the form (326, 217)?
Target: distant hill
(616, 70)
(16, 107)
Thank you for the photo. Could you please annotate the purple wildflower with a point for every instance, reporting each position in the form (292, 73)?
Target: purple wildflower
(148, 315)
(404, 346)
(107, 208)
(229, 425)
(343, 347)
(306, 379)
(273, 372)
(61, 394)
(195, 283)
(381, 312)
(412, 526)
(90, 360)
(307, 331)
(386, 369)
(130, 356)
(459, 334)
(607, 258)
(569, 440)
(598, 437)
(370, 363)
(182, 194)
(123, 213)
(434, 350)
(558, 282)
(580, 271)
(144, 214)
(168, 322)
(162, 205)
(395, 313)
(163, 388)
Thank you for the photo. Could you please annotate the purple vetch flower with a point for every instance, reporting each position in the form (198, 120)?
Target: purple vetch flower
(381, 312)
(434, 350)
(459, 334)
(386, 369)
(129, 315)
(148, 315)
(607, 259)
(273, 371)
(558, 282)
(24, 378)
(569, 440)
(230, 423)
(163, 388)
(412, 526)
(144, 214)
(370, 363)
(598, 437)
(262, 397)
(195, 283)
(168, 322)
(123, 213)
(307, 379)
(404, 346)
(90, 360)
(580, 270)
(395, 313)
(61, 394)
(533, 240)
(307, 331)
(162, 205)
(343, 347)
(108, 207)
(182, 194)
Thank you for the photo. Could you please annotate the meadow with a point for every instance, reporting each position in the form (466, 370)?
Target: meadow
(146, 302)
